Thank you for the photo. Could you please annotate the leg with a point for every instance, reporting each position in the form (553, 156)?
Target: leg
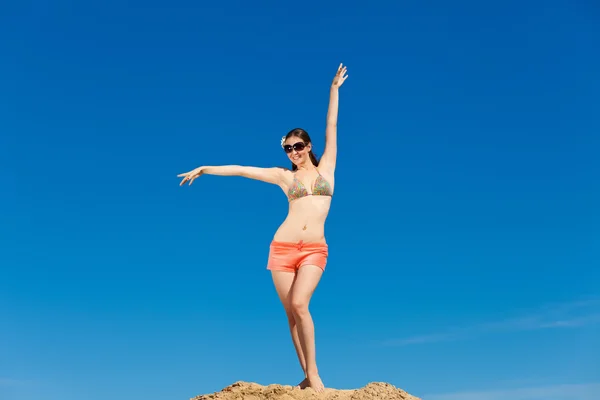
(283, 281)
(304, 286)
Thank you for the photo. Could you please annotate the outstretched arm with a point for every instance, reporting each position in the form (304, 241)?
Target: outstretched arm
(272, 175)
(328, 160)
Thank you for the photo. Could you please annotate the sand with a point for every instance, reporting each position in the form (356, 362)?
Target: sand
(254, 391)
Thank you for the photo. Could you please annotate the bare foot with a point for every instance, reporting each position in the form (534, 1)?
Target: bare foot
(314, 381)
(304, 384)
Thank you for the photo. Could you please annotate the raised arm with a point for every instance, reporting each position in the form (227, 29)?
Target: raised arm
(328, 159)
(274, 175)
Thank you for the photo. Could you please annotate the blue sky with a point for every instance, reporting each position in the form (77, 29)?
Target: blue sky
(464, 232)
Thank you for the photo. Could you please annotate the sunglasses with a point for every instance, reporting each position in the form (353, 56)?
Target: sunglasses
(297, 146)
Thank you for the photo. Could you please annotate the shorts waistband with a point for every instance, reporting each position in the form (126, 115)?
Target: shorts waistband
(299, 244)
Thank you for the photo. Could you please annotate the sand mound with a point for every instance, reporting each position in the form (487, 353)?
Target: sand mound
(253, 391)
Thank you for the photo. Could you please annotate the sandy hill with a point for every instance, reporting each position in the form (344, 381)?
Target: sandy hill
(253, 391)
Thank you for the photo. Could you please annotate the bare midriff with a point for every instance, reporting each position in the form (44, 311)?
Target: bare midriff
(305, 220)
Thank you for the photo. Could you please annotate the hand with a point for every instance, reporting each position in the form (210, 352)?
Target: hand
(340, 77)
(193, 174)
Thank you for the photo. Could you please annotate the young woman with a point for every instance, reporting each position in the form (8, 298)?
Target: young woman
(298, 251)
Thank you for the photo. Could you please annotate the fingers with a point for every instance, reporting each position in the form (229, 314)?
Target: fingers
(186, 176)
(189, 176)
(186, 179)
(186, 173)
(341, 73)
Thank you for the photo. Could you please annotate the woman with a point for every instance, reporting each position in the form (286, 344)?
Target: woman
(298, 252)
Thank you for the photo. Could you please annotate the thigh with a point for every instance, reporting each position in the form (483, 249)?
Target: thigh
(282, 258)
(315, 256)
(306, 282)
(283, 281)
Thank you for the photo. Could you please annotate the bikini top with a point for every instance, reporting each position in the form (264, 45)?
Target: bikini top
(320, 188)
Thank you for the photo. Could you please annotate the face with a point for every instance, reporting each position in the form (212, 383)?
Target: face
(296, 150)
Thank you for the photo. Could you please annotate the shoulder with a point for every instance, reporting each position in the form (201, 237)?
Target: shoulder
(284, 175)
(282, 171)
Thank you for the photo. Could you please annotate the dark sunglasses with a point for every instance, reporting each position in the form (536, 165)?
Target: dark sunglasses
(297, 146)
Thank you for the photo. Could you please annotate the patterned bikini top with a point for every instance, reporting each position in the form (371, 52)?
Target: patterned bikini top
(320, 188)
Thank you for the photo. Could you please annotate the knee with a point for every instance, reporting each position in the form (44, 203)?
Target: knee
(299, 307)
(290, 317)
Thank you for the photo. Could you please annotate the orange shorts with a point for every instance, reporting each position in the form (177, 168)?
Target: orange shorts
(288, 256)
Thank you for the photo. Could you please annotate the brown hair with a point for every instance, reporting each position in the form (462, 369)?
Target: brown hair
(302, 134)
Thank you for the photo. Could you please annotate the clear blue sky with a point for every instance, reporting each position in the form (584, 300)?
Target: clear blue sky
(464, 232)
